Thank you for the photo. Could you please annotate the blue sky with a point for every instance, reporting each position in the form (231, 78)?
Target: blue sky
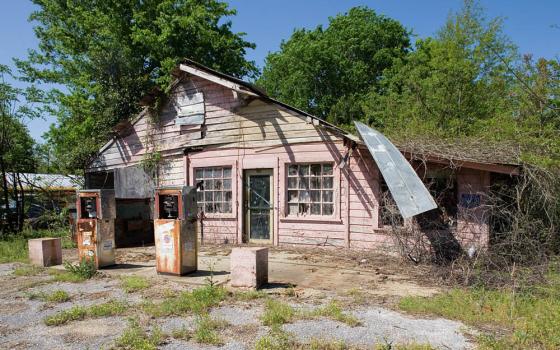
(534, 26)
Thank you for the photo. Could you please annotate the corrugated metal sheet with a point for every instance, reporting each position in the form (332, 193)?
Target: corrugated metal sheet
(408, 191)
(46, 181)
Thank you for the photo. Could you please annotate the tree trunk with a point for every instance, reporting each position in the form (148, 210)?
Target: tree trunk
(7, 224)
(21, 216)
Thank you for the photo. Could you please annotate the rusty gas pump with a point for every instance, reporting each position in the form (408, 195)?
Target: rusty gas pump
(96, 213)
(175, 230)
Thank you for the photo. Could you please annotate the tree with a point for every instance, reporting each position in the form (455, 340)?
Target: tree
(16, 152)
(104, 56)
(451, 84)
(327, 72)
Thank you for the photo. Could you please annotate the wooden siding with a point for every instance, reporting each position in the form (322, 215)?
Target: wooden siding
(354, 226)
(229, 122)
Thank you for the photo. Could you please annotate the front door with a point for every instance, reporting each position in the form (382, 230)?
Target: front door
(258, 205)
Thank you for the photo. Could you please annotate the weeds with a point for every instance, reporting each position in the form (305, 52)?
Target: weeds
(131, 284)
(136, 338)
(28, 270)
(277, 313)
(64, 276)
(249, 295)
(84, 269)
(333, 311)
(276, 339)
(75, 313)
(206, 330)
(198, 301)
(533, 315)
(57, 296)
(13, 249)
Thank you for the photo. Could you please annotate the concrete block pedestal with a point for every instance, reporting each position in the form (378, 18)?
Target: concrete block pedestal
(45, 251)
(249, 267)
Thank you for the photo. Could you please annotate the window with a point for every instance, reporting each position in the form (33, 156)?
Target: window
(310, 189)
(215, 194)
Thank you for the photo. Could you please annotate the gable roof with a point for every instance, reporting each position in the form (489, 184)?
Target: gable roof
(202, 71)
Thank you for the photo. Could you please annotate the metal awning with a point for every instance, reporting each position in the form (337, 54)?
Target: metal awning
(408, 191)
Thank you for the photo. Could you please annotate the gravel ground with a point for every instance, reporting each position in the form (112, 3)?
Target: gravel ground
(384, 326)
(22, 327)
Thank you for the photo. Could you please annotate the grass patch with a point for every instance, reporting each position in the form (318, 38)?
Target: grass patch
(333, 311)
(276, 339)
(64, 276)
(13, 249)
(84, 269)
(197, 301)
(131, 284)
(206, 330)
(277, 313)
(533, 316)
(75, 313)
(411, 346)
(249, 295)
(136, 338)
(28, 270)
(57, 296)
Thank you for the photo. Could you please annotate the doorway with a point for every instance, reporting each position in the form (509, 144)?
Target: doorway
(258, 205)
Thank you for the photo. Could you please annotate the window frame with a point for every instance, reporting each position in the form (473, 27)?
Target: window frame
(214, 163)
(284, 212)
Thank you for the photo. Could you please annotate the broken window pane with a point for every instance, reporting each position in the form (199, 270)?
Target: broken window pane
(316, 196)
(227, 184)
(303, 209)
(293, 209)
(315, 183)
(292, 182)
(304, 170)
(315, 209)
(292, 196)
(293, 170)
(316, 169)
(304, 182)
(304, 196)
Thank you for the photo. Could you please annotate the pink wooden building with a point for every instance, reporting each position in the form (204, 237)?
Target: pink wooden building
(273, 174)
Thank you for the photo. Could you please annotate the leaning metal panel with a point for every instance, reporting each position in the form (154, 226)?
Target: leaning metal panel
(408, 191)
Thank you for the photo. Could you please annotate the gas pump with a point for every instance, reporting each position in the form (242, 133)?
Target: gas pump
(175, 216)
(96, 213)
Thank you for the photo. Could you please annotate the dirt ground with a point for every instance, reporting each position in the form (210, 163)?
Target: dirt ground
(366, 285)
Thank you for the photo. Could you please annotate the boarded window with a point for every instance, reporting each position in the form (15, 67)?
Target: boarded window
(214, 196)
(310, 189)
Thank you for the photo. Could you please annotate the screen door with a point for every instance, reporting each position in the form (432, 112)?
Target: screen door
(258, 205)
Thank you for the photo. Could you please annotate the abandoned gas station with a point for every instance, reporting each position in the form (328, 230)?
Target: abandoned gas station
(271, 174)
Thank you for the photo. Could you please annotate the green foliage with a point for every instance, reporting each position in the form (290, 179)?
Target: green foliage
(111, 308)
(131, 284)
(333, 311)
(198, 301)
(28, 270)
(276, 339)
(57, 296)
(327, 71)
(110, 54)
(85, 269)
(136, 338)
(206, 330)
(277, 313)
(249, 295)
(533, 315)
(12, 249)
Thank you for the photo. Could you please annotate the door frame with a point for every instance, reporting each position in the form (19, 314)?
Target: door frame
(245, 197)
